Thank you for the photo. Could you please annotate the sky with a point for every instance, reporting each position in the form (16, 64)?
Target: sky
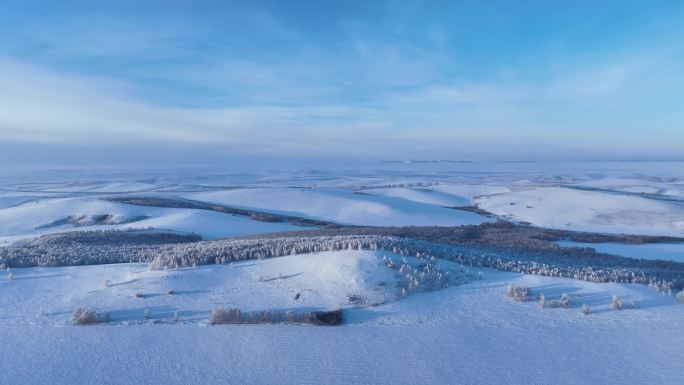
(161, 82)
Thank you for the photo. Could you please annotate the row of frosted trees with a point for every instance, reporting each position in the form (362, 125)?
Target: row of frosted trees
(175, 255)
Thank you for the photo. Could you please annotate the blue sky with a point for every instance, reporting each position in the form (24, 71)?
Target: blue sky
(204, 81)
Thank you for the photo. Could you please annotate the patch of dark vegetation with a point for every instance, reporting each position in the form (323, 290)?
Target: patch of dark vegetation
(474, 209)
(182, 203)
(500, 234)
(655, 196)
(232, 316)
(109, 237)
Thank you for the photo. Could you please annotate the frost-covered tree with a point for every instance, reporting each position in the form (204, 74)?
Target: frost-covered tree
(518, 293)
(617, 303)
(565, 300)
(680, 296)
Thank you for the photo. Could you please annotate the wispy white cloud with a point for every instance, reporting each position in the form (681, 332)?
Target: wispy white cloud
(371, 91)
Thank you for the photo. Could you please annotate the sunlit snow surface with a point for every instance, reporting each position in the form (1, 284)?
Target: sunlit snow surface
(465, 334)
(610, 197)
(470, 333)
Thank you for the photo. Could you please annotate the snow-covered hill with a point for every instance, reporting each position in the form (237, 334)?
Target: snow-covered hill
(471, 333)
(86, 213)
(344, 206)
(594, 211)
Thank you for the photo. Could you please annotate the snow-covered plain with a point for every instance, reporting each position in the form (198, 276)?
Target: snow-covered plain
(610, 197)
(465, 334)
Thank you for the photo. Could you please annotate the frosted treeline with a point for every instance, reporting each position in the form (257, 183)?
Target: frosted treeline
(106, 247)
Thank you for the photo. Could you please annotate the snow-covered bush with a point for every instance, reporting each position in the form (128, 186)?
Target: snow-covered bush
(585, 309)
(518, 293)
(680, 296)
(617, 303)
(147, 314)
(10, 276)
(542, 300)
(565, 300)
(175, 318)
(84, 317)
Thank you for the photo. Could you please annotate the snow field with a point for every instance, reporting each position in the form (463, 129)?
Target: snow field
(465, 334)
(344, 207)
(578, 210)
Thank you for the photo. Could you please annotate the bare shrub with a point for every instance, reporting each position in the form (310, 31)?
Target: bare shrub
(585, 309)
(84, 317)
(236, 316)
(226, 316)
(357, 299)
(617, 303)
(518, 293)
